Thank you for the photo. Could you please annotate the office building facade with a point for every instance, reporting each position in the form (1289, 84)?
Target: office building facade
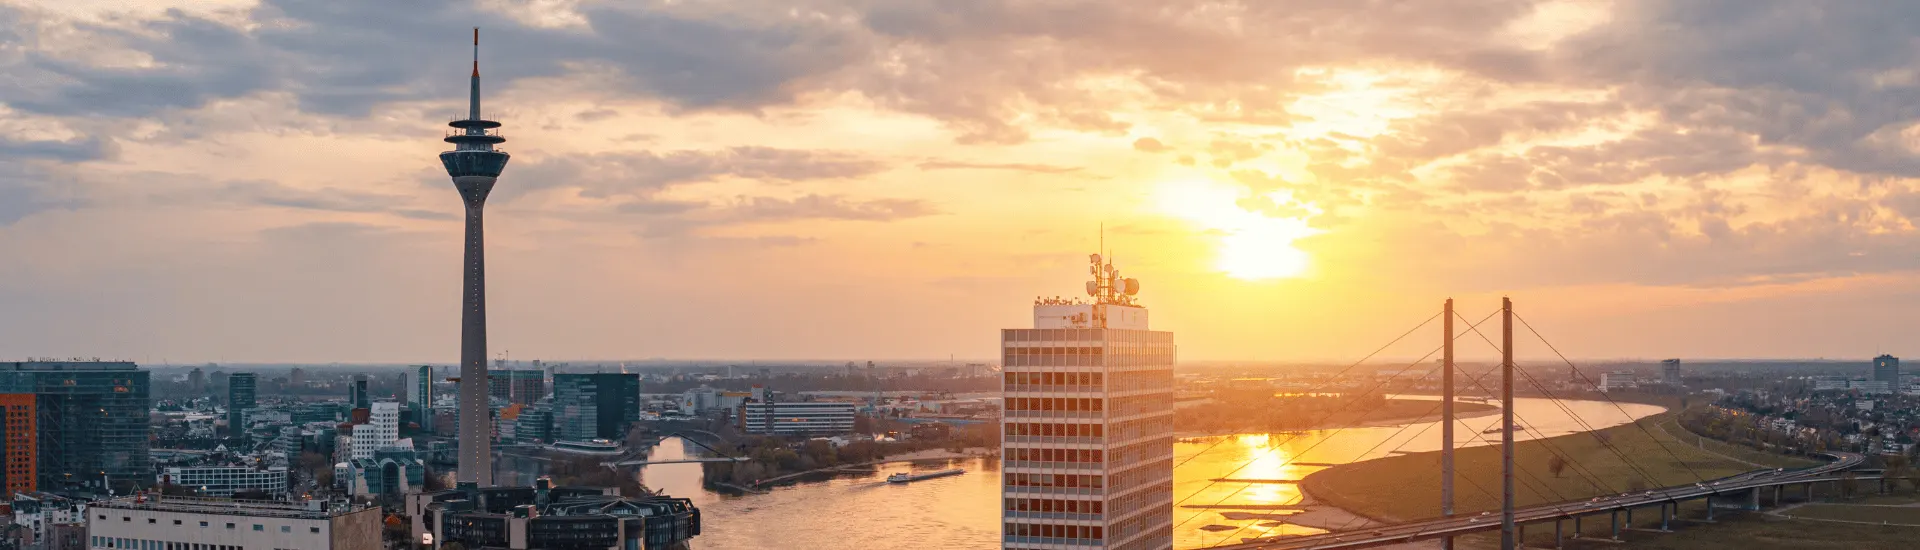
(798, 418)
(224, 481)
(1087, 433)
(422, 398)
(159, 522)
(357, 392)
(595, 405)
(21, 423)
(1670, 372)
(92, 420)
(525, 387)
(1886, 368)
(242, 392)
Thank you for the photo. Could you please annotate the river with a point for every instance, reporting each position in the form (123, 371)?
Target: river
(862, 510)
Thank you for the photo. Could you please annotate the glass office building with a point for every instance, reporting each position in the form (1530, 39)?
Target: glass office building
(92, 418)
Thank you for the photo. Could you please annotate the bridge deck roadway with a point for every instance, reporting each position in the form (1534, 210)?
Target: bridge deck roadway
(1381, 535)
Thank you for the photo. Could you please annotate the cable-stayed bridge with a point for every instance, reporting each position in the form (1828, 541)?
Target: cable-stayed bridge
(1741, 491)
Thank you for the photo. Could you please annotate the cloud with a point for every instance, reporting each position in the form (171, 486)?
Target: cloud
(1018, 167)
(646, 172)
(84, 149)
(1149, 145)
(276, 195)
(826, 207)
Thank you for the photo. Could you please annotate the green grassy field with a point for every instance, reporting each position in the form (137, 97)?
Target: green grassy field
(1850, 512)
(1672, 426)
(1762, 532)
(1407, 487)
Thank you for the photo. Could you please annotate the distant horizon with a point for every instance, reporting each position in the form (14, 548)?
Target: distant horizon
(961, 362)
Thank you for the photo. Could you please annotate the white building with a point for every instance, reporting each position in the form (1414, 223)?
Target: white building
(1617, 380)
(1873, 387)
(224, 481)
(1087, 444)
(38, 512)
(381, 431)
(160, 522)
(797, 417)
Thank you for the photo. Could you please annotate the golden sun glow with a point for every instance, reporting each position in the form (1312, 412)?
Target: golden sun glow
(1256, 231)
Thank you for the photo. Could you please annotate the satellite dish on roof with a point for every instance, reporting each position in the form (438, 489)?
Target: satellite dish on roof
(1132, 287)
(1094, 258)
(1093, 288)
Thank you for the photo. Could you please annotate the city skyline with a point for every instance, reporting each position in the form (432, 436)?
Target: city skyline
(1624, 169)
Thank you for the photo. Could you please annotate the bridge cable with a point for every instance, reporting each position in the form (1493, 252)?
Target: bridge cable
(1329, 436)
(1349, 403)
(1362, 455)
(1578, 468)
(1608, 444)
(1276, 446)
(1330, 381)
(1362, 520)
(1616, 405)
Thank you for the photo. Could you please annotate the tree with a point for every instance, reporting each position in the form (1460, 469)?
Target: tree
(1557, 465)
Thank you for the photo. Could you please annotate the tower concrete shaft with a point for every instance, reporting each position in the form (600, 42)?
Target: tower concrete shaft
(474, 165)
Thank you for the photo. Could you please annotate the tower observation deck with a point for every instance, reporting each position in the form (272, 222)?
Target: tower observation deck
(474, 165)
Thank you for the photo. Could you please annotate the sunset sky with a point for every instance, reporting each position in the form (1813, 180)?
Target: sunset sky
(873, 179)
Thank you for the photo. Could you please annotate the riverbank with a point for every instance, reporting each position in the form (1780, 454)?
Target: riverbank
(916, 456)
(1393, 412)
(1404, 487)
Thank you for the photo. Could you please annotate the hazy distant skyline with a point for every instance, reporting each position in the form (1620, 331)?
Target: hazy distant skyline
(854, 179)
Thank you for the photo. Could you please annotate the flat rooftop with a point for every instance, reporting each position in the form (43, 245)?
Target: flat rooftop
(231, 507)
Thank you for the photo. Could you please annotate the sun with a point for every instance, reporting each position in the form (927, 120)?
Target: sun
(1256, 231)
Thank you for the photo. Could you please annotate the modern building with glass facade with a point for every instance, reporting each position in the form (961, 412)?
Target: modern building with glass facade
(423, 399)
(535, 424)
(357, 392)
(1087, 434)
(242, 390)
(91, 420)
(595, 405)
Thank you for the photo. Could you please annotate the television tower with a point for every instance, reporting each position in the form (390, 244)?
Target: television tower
(474, 165)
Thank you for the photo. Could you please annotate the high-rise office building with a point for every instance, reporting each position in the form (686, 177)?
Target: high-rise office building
(197, 380)
(1087, 435)
(92, 420)
(357, 392)
(242, 390)
(526, 387)
(517, 386)
(1670, 372)
(1886, 368)
(595, 405)
(423, 398)
(19, 460)
(297, 378)
(474, 165)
